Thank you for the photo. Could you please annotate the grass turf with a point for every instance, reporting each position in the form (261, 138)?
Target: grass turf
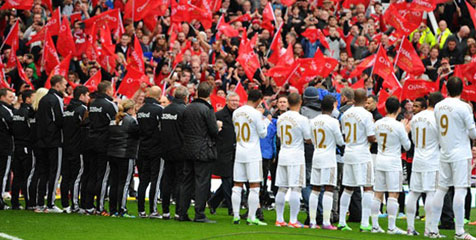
(29, 225)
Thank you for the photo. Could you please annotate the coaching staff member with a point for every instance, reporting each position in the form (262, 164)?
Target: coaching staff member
(101, 112)
(200, 128)
(172, 134)
(49, 119)
(6, 138)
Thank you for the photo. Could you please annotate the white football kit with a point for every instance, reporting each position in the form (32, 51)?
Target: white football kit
(391, 136)
(454, 119)
(357, 124)
(293, 129)
(326, 135)
(426, 159)
(250, 126)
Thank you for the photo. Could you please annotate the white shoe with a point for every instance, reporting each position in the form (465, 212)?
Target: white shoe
(396, 231)
(54, 209)
(377, 230)
(412, 232)
(67, 210)
(6, 196)
(435, 235)
(465, 236)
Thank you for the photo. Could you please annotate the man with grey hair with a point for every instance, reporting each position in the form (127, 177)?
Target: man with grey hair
(226, 145)
(171, 133)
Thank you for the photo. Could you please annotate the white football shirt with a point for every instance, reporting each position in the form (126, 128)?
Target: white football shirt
(357, 124)
(293, 128)
(425, 137)
(326, 135)
(391, 136)
(250, 126)
(454, 118)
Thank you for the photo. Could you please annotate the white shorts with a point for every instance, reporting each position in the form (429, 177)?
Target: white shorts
(248, 172)
(390, 181)
(291, 176)
(360, 174)
(457, 174)
(423, 181)
(324, 176)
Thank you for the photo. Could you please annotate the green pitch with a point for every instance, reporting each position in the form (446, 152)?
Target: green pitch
(29, 225)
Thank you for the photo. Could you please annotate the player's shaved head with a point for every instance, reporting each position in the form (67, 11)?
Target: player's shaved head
(294, 99)
(360, 96)
(454, 86)
(392, 105)
(154, 92)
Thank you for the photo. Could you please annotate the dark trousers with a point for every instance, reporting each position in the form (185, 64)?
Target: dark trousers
(34, 181)
(149, 169)
(97, 184)
(5, 162)
(121, 171)
(22, 168)
(223, 193)
(49, 163)
(171, 182)
(467, 205)
(85, 178)
(71, 171)
(197, 177)
(447, 215)
(264, 197)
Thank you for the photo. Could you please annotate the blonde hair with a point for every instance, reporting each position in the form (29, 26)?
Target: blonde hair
(39, 94)
(123, 107)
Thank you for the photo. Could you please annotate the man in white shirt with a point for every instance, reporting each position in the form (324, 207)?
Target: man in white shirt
(250, 126)
(359, 130)
(391, 136)
(293, 130)
(425, 163)
(455, 125)
(326, 135)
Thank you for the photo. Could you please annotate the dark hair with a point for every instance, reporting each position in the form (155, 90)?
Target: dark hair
(103, 86)
(422, 102)
(4, 91)
(294, 99)
(56, 79)
(327, 103)
(434, 98)
(254, 95)
(392, 105)
(80, 90)
(375, 98)
(204, 90)
(27, 94)
(454, 86)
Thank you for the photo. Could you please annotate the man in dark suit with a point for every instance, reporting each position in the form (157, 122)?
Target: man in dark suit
(226, 145)
(123, 46)
(432, 63)
(200, 129)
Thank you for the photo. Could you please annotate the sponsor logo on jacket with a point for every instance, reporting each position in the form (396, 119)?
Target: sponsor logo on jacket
(168, 116)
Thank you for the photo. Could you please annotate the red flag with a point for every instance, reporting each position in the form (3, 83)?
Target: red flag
(226, 28)
(383, 67)
(423, 5)
(242, 93)
(48, 4)
(288, 3)
(179, 12)
(413, 89)
(469, 93)
(279, 74)
(358, 84)
(320, 65)
(12, 40)
(314, 34)
(472, 12)
(65, 44)
(287, 59)
(408, 59)
(17, 4)
(217, 5)
(401, 24)
(205, 13)
(249, 61)
(217, 101)
(268, 13)
(382, 98)
(93, 81)
(61, 69)
(110, 17)
(136, 59)
(243, 18)
(23, 76)
(131, 82)
(467, 72)
(75, 17)
(50, 57)
(366, 63)
(141, 8)
(54, 24)
(276, 46)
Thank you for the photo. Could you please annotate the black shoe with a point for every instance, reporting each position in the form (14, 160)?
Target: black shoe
(204, 220)
(307, 221)
(259, 214)
(213, 210)
(447, 226)
(244, 215)
(132, 194)
(184, 219)
(230, 212)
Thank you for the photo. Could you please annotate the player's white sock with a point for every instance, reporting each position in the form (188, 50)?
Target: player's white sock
(458, 209)
(437, 207)
(392, 210)
(410, 208)
(428, 210)
(313, 202)
(344, 206)
(294, 204)
(236, 200)
(253, 202)
(280, 201)
(327, 208)
(375, 212)
(366, 207)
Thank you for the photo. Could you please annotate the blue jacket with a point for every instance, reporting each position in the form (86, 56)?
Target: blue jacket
(268, 144)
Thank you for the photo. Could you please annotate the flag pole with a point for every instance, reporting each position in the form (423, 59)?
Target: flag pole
(399, 52)
(274, 38)
(8, 35)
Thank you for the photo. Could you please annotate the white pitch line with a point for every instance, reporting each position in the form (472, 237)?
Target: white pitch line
(10, 237)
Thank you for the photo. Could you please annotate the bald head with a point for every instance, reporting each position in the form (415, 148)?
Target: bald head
(154, 92)
(360, 96)
(464, 31)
